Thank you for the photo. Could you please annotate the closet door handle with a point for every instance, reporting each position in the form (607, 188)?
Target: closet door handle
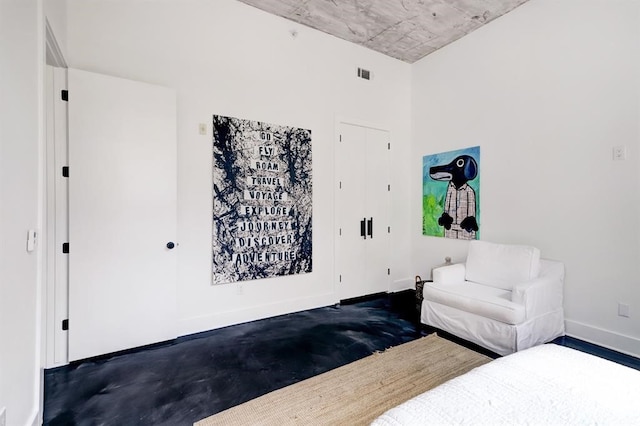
(370, 227)
(362, 234)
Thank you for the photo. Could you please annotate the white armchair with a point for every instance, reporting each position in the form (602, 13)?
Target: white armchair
(504, 298)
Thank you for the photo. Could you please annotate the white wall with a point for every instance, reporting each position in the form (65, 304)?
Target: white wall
(226, 58)
(547, 91)
(21, 56)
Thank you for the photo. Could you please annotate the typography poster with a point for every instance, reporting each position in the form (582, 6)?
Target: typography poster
(451, 194)
(262, 206)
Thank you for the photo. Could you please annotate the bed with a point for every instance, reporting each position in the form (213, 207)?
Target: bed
(547, 384)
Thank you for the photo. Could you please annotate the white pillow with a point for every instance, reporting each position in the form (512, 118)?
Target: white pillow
(501, 265)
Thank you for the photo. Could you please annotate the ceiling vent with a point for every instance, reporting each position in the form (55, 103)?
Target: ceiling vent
(364, 74)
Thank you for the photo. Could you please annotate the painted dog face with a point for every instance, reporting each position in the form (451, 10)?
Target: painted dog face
(461, 170)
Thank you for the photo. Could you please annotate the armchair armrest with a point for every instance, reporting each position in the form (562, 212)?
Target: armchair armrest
(543, 294)
(452, 274)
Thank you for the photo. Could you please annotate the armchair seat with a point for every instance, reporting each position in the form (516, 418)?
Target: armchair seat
(486, 301)
(504, 298)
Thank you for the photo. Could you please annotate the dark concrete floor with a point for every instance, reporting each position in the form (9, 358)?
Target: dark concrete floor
(592, 349)
(196, 376)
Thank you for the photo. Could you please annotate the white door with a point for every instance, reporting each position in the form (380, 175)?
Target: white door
(57, 218)
(362, 211)
(377, 207)
(122, 214)
(350, 213)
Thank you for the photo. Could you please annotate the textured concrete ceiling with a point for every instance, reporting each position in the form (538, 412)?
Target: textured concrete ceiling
(403, 29)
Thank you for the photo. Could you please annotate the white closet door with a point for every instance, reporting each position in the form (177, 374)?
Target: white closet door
(362, 200)
(122, 214)
(350, 211)
(377, 208)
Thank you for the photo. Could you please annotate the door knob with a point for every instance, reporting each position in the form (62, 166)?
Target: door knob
(170, 245)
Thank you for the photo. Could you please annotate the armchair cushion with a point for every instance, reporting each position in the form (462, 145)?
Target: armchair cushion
(482, 300)
(501, 265)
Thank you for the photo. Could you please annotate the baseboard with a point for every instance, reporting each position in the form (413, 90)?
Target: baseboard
(365, 298)
(605, 338)
(407, 291)
(213, 321)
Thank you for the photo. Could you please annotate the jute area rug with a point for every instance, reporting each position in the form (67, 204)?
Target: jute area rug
(357, 393)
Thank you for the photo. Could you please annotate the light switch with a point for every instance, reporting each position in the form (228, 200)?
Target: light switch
(202, 128)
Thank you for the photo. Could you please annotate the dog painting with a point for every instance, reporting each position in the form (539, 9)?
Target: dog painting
(451, 194)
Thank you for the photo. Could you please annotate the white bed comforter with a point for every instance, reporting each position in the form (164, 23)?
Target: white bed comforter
(548, 384)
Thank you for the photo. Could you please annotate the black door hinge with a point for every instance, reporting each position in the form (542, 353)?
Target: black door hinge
(64, 94)
(65, 248)
(65, 171)
(65, 324)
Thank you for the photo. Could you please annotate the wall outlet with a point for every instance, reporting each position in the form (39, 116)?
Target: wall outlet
(623, 310)
(3, 416)
(619, 152)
